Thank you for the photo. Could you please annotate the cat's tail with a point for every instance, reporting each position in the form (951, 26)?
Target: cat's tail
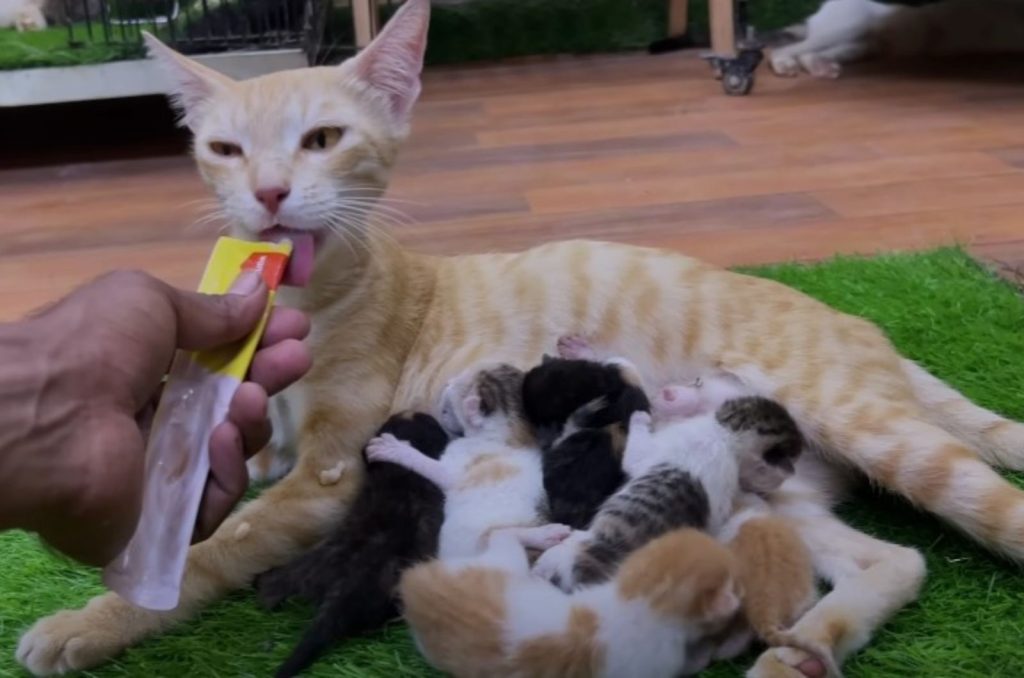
(356, 606)
(998, 441)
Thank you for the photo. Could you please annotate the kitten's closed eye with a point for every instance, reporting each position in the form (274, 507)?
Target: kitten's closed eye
(226, 149)
(322, 138)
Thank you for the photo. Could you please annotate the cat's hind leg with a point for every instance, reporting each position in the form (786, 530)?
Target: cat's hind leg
(871, 579)
(998, 441)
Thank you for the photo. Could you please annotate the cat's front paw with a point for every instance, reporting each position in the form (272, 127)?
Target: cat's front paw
(545, 537)
(820, 67)
(575, 347)
(385, 447)
(71, 640)
(784, 66)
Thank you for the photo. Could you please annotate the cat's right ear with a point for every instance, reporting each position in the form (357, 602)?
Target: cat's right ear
(192, 84)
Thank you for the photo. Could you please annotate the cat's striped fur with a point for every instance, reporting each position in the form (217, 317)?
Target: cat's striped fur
(390, 327)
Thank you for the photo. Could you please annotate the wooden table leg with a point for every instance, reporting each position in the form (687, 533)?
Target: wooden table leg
(723, 28)
(677, 17)
(364, 17)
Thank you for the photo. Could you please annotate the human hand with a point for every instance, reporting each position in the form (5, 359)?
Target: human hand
(78, 378)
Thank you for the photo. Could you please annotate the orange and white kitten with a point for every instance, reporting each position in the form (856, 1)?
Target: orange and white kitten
(391, 327)
(486, 616)
(491, 475)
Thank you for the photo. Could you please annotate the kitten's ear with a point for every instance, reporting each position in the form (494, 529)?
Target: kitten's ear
(392, 63)
(472, 408)
(192, 84)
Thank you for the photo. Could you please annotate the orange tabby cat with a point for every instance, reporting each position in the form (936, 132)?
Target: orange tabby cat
(312, 149)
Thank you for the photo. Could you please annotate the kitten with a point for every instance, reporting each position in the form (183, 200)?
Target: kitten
(847, 30)
(491, 477)
(580, 410)
(684, 474)
(487, 616)
(353, 575)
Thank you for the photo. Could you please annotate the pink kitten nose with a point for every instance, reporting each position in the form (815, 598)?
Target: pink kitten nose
(668, 394)
(271, 198)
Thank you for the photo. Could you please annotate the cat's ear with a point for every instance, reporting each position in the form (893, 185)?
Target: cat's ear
(192, 84)
(472, 409)
(392, 63)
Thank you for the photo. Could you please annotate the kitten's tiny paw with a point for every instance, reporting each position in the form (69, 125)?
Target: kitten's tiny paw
(546, 536)
(555, 565)
(640, 420)
(273, 587)
(383, 448)
(575, 347)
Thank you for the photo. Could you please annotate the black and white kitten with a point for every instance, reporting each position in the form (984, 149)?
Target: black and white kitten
(353, 575)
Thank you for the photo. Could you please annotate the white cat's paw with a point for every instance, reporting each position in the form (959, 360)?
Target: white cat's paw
(786, 662)
(67, 641)
(820, 67)
(575, 347)
(640, 421)
(784, 66)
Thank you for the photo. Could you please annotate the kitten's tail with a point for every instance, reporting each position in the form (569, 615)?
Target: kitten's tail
(358, 606)
(998, 441)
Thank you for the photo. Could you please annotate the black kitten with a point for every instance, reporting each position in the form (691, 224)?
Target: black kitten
(580, 411)
(353, 575)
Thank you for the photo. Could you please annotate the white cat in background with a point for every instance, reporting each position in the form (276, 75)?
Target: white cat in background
(25, 15)
(846, 30)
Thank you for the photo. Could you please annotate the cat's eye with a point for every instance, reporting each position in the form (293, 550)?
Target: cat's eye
(225, 149)
(322, 138)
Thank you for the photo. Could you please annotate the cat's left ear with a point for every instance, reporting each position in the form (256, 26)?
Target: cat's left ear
(392, 63)
(192, 84)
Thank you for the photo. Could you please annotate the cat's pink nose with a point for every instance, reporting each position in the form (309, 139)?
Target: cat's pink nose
(668, 395)
(271, 198)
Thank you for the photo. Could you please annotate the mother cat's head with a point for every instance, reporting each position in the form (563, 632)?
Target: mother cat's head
(299, 153)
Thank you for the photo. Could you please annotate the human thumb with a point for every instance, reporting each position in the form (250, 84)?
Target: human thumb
(208, 320)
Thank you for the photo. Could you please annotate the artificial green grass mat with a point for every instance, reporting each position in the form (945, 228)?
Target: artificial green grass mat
(939, 307)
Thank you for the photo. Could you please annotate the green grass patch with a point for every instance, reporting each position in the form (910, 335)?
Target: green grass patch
(938, 307)
(52, 47)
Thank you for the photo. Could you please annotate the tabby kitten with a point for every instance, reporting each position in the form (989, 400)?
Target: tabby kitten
(353, 575)
(684, 474)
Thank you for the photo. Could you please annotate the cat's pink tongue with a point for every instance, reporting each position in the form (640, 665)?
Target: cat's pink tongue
(300, 264)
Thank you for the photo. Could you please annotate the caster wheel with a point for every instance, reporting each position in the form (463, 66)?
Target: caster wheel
(738, 84)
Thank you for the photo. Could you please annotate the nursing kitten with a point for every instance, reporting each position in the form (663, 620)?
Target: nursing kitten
(492, 476)
(353, 575)
(487, 616)
(686, 473)
(847, 30)
(580, 411)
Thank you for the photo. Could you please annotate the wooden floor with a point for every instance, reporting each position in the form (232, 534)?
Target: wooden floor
(632, 148)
